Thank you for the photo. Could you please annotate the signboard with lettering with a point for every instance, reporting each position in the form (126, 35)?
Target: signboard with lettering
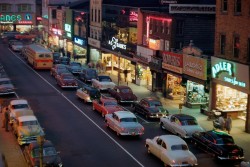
(67, 28)
(80, 41)
(195, 66)
(231, 72)
(115, 44)
(22, 18)
(192, 8)
(172, 61)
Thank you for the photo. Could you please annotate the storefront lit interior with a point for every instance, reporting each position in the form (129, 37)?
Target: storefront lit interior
(81, 53)
(231, 101)
(144, 76)
(174, 89)
(19, 28)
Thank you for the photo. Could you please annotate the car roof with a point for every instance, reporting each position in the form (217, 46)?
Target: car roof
(87, 87)
(184, 117)
(217, 134)
(173, 139)
(125, 114)
(19, 101)
(103, 76)
(27, 118)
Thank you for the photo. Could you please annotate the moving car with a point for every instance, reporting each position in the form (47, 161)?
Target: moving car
(75, 67)
(88, 74)
(50, 155)
(6, 87)
(16, 46)
(27, 129)
(182, 125)
(218, 143)
(57, 67)
(123, 94)
(106, 105)
(64, 60)
(87, 93)
(171, 150)
(150, 108)
(124, 123)
(103, 82)
(66, 80)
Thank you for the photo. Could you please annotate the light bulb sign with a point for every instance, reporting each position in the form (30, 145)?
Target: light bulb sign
(115, 44)
(230, 72)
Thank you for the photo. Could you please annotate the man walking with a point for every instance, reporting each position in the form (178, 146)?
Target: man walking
(228, 124)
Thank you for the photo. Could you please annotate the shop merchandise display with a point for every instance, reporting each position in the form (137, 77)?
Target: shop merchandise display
(196, 93)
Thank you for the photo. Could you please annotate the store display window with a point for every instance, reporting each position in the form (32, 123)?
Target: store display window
(174, 89)
(196, 93)
(228, 99)
(144, 76)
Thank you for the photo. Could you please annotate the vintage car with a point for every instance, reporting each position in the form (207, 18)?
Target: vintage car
(123, 94)
(50, 155)
(150, 108)
(182, 125)
(57, 67)
(218, 143)
(171, 150)
(19, 113)
(75, 67)
(87, 93)
(64, 60)
(27, 129)
(106, 105)
(56, 56)
(66, 80)
(6, 86)
(103, 82)
(16, 46)
(124, 123)
(88, 74)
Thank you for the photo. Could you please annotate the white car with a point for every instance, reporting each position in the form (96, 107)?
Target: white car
(103, 82)
(181, 124)
(87, 94)
(6, 86)
(171, 150)
(17, 105)
(16, 46)
(124, 123)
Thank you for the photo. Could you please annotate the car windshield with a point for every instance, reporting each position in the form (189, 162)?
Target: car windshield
(19, 106)
(4, 82)
(68, 77)
(104, 79)
(91, 72)
(27, 123)
(189, 122)
(55, 55)
(47, 151)
(179, 147)
(128, 120)
(126, 90)
(110, 103)
(225, 140)
(155, 103)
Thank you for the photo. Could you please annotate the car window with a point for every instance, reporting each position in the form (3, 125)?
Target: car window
(128, 120)
(225, 140)
(27, 123)
(105, 80)
(179, 147)
(172, 119)
(164, 145)
(209, 138)
(41, 55)
(19, 106)
(110, 103)
(125, 90)
(4, 82)
(47, 151)
(178, 122)
(68, 77)
(159, 141)
(47, 55)
(189, 122)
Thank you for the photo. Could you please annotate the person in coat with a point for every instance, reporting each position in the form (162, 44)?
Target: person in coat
(228, 124)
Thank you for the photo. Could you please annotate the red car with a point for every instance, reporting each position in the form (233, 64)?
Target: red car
(66, 80)
(54, 71)
(106, 105)
(123, 94)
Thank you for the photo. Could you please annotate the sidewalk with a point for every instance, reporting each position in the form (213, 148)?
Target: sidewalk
(10, 148)
(241, 138)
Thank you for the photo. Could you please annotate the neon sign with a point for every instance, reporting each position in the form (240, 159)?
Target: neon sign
(67, 28)
(10, 18)
(114, 43)
(79, 41)
(226, 67)
(133, 16)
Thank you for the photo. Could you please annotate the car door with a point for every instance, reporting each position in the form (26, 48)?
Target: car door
(99, 105)
(113, 121)
(156, 147)
(171, 124)
(177, 126)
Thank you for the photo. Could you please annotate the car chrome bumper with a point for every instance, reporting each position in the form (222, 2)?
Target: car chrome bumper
(132, 134)
(27, 140)
(6, 93)
(231, 158)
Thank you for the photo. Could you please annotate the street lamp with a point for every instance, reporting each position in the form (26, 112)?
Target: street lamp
(119, 75)
(40, 141)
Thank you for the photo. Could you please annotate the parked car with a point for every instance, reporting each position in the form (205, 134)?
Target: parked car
(56, 67)
(66, 80)
(182, 125)
(27, 129)
(9, 34)
(50, 155)
(87, 93)
(218, 143)
(11, 41)
(150, 108)
(106, 105)
(56, 56)
(75, 67)
(16, 46)
(123, 94)
(19, 113)
(6, 86)
(124, 123)
(103, 82)
(171, 150)
(23, 52)
(88, 74)
(64, 60)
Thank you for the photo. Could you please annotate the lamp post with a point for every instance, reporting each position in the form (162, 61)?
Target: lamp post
(40, 141)
(119, 75)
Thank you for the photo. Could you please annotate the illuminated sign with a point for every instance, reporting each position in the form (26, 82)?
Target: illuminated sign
(114, 43)
(192, 8)
(25, 22)
(228, 68)
(10, 18)
(39, 18)
(79, 41)
(57, 31)
(154, 44)
(172, 61)
(133, 16)
(67, 28)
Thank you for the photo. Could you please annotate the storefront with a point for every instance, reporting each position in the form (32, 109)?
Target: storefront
(195, 74)
(172, 65)
(94, 50)
(80, 49)
(155, 66)
(230, 88)
(55, 40)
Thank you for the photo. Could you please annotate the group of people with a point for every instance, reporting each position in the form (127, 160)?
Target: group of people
(226, 124)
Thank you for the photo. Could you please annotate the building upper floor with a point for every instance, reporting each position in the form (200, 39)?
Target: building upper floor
(17, 6)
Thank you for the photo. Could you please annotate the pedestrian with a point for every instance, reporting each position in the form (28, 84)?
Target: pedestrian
(221, 122)
(6, 119)
(125, 74)
(228, 124)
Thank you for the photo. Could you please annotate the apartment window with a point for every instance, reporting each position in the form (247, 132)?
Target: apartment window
(236, 49)
(166, 28)
(179, 27)
(237, 6)
(224, 5)
(5, 8)
(248, 49)
(99, 16)
(24, 8)
(92, 15)
(53, 13)
(95, 15)
(222, 44)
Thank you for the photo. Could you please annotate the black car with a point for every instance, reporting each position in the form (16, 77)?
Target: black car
(88, 74)
(64, 60)
(150, 108)
(218, 143)
(56, 56)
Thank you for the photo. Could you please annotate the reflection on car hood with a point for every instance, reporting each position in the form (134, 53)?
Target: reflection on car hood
(131, 125)
(31, 130)
(156, 109)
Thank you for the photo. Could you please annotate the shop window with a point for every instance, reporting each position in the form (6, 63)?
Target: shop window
(236, 44)
(222, 44)
(5, 7)
(224, 5)
(237, 8)
(24, 8)
(174, 90)
(196, 93)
